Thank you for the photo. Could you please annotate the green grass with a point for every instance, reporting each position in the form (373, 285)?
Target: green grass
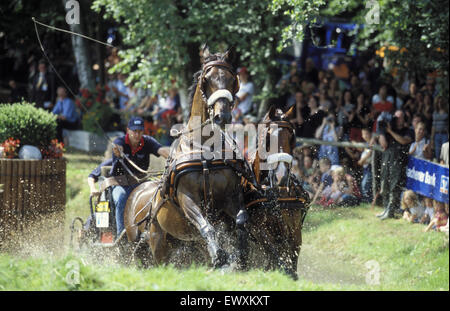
(337, 245)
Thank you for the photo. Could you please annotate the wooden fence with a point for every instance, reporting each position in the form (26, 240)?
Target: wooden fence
(32, 190)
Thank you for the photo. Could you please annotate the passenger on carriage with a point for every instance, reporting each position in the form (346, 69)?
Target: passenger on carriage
(137, 147)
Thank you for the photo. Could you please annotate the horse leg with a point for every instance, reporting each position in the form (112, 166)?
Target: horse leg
(236, 209)
(158, 243)
(192, 211)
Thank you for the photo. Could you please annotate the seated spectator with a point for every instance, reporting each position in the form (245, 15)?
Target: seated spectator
(327, 132)
(420, 148)
(325, 180)
(67, 115)
(439, 130)
(365, 162)
(413, 210)
(340, 193)
(440, 218)
(307, 172)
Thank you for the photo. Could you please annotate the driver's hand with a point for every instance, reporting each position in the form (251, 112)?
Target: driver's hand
(118, 150)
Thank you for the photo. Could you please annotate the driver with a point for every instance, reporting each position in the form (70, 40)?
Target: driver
(137, 147)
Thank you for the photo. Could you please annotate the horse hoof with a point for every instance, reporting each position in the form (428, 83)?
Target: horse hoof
(221, 259)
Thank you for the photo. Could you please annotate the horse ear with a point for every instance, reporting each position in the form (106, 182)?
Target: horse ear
(205, 51)
(270, 114)
(230, 54)
(290, 113)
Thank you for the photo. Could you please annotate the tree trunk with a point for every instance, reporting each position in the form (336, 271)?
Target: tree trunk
(81, 51)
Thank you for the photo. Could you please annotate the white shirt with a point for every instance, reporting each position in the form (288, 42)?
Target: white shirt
(418, 211)
(444, 153)
(245, 88)
(419, 150)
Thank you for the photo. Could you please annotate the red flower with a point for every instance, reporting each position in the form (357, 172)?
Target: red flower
(89, 103)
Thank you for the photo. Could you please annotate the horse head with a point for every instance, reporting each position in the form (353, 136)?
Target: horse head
(218, 84)
(280, 163)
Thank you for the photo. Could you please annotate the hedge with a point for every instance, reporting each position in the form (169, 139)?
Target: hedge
(31, 125)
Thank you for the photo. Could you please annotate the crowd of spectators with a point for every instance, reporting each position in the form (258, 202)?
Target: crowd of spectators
(405, 117)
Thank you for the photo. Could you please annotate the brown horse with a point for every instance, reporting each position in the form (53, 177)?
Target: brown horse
(276, 219)
(201, 191)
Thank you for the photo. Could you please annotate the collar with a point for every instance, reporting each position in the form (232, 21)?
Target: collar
(139, 147)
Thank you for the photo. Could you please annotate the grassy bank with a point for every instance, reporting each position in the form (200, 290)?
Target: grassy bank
(343, 249)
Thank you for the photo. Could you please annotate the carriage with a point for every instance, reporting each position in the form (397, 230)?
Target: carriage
(199, 200)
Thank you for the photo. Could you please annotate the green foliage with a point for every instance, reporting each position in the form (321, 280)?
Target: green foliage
(163, 38)
(31, 125)
(420, 27)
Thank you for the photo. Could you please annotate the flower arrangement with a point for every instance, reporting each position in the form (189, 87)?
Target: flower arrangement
(54, 151)
(97, 111)
(10, 148)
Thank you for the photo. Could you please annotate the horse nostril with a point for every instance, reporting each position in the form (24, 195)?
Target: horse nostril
(218, 119)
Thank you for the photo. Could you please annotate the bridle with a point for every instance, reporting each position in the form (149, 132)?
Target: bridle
(220, 93)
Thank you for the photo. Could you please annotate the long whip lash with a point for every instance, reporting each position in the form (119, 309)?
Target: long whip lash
(70, 90)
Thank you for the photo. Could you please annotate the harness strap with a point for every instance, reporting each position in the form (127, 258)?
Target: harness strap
(207, 191)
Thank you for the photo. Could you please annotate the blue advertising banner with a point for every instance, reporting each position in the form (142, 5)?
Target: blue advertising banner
(428, 179)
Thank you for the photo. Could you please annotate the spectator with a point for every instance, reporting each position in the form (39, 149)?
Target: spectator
(439, 130)
(67, 115)
(327, 132)
(421, 147)
(339, 193)
(307, 172)
(43, 87)
(395, 142)
(365, 162)
(325, 180)
(307, 127)
(413, 210)
(245, 94)
(168, 104)
(310, 73)
(121, 91)
(444, 154)
(17, 93)
(440, 218)
(381, 101)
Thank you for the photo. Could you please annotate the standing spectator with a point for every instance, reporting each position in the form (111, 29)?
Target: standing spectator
(395, 141)
(67, 115)
(439, 130)
(327, 132)
(43, 87)
(421, 147)
(245, 94)
(444, 154)
(307, 127)
(17, 93)
(310, 73)
(121, 91)
(381, 101)
(365, 162)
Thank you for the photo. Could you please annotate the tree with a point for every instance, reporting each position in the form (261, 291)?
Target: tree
(162, 39)
(416, 30)
(79, 45)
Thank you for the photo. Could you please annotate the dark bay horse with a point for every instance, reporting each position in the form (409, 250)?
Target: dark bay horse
(201, 190)
(276, 218)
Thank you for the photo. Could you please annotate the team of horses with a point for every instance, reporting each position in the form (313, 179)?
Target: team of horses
(216, 208)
